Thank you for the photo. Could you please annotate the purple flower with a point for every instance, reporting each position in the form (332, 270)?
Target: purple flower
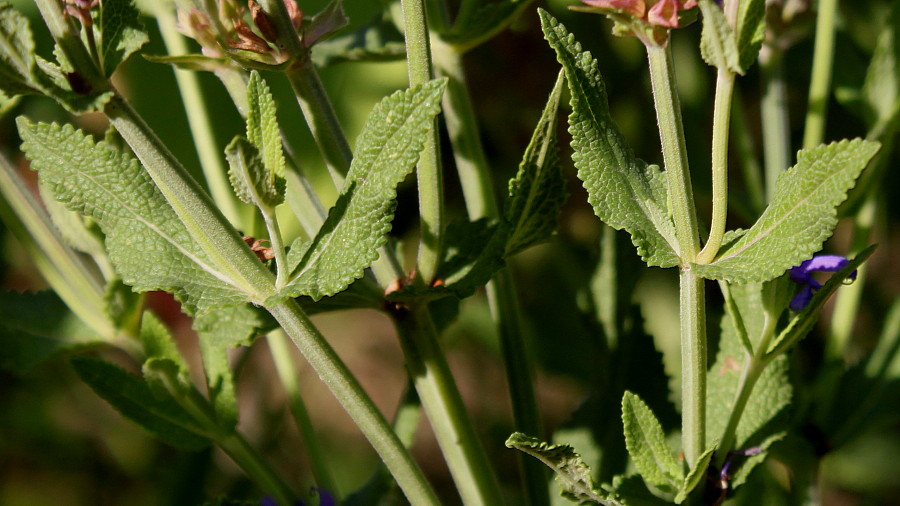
(803, 275)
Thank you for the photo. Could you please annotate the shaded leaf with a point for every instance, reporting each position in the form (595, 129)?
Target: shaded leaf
(121, 33)
(718, 45)
(647, 446)
(378, 40)
(479, 20)
(751, 31)
(16, 52)
(624, 191)
(252, 182)
(800, 217)
(697, 473)
(149, 246)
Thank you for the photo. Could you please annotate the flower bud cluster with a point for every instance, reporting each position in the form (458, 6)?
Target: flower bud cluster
(651, 25)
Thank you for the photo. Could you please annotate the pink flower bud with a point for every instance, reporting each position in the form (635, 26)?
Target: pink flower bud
(635, 8)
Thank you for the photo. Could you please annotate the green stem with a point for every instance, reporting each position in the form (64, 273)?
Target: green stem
(446, 413)
(66, 35)
(721, 127)
(428, 173)
(287, 373)
(210, 155)
(775, 122)
(281, 265)
(256, 468)
(693, 365)
(671, 130)
(208, 227)
(820, 84)
(334, 373)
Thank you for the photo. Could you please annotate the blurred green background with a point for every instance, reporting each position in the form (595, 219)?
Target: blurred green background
(62, 445)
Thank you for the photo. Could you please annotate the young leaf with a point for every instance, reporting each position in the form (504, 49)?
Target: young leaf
(121, 33)
(800, 217)
(625, 192)
(219, 330)
(16, 52)
(37, 327)
(697, 472)
(751, 31)
(149, 246)
(718, 45)
(252, 182)
(647, 446)
(158, 342)
(378, 40)
(134, 400)
(571, 473)
(538, 191)
(479, 20)
(387, 150)
(262, 126)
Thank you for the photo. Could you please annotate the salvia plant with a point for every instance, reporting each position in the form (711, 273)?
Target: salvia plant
(256, 237)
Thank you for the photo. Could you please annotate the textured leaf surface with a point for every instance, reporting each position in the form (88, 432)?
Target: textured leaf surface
(571, 473)
(718, 45)
(36, 327)
(262, 125)
(132, 397)
(378, 40)
(16, 52)
(252, 183)
(647, 446)
(478, 20)
(697, 472)
(149, 246)
(751, 31)
(538, 191)
(624, 191)
(219, 330)
(158, 342)
(800, 217)
(121, 33)
(387, 151)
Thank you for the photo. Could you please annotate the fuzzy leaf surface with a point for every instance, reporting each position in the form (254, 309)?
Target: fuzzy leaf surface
(262, 125)
(16, 52)
(134, 400)
(697, 472)
(751, 31)
(800, 217)
(624, 191)
(37, 327)
(149, 246)
(252, 182)
(646, 443)
(121, 33)
(538, 191)
(718, 45)
(571, 472)
(387, 151)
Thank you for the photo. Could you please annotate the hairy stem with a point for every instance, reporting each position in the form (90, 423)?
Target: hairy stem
(256, 468)
(334, 373)
(721, 127)
(693, 366)
(820, 84)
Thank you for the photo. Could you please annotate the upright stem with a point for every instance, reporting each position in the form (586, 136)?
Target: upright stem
(353, 398)
(820, 84)
(693, 303)
(210, 155)
(446, 413)
(776, 124)
(428, 173)
(256, 468)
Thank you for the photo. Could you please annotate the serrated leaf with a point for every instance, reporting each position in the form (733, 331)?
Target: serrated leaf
(378, 40)
(647, 446)
(133, 399)
(158, 342)
(218, 331)
(252, 182)
(624, 191)
(262, 125)
(121, 33)
(802, 323)
(538, 191)
(147, 243)
(718, 45)
(800, 217)
(751, 31)
(571, 473)
(697, 472)
(16, 52)
(387, 151)
(479, 20)
(36, 327)
(72, 227)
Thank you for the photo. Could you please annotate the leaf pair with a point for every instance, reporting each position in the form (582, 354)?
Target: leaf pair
(730, 48)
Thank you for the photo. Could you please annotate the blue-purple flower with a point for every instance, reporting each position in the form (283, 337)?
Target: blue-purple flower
(803, 275)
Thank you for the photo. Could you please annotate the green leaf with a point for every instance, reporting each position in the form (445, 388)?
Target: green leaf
(647, 446)
(718, 45)
(147, 243)
(802, 323)
(16, 52)
(571, 473)
(800, 217)
(624, 191)
(192, 62)
(479, 20)
(751, 31)
(387, 151)
(121, 33)
(133, 399)
(219, 330)
(73, 227)
(262, 126)
(158, 342)
(697, 472)
(881, 87)
(538, 191)
(252, 183)
(378, 40)
(37, 327)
